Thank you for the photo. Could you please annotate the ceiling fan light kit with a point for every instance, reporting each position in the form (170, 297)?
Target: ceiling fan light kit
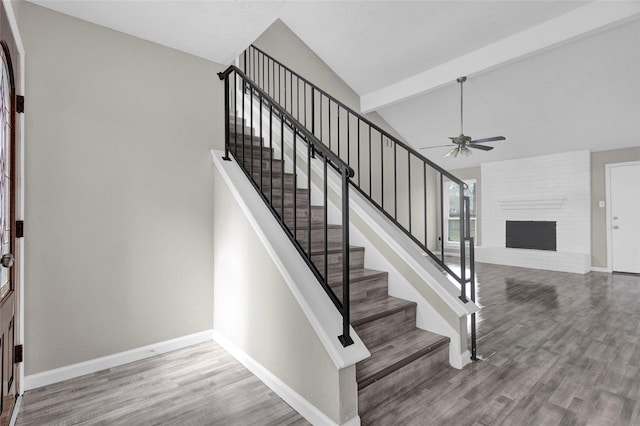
(463, 141)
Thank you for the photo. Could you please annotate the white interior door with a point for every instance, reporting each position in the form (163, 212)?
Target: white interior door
(625, 218)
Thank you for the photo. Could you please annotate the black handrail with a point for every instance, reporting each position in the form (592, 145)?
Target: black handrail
(236, 146)
(369, 147)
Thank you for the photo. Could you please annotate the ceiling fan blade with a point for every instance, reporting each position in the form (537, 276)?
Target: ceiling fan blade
(494, 138)
(436, 146)
(481, 147)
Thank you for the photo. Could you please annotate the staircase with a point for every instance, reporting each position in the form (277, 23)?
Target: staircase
(402, 356)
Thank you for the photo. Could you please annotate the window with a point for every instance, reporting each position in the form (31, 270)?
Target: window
(452, 220)
(5, 169)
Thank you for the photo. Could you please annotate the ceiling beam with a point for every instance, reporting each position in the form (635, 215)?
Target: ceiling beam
(577, 23)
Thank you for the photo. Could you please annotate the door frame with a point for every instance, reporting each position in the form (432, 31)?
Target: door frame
(607, 176)
(19, 195)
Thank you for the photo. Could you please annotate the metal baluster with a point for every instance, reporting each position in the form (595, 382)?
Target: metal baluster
(321, 120)
(313, 111)
(442, 218)
(309, 151)
(359, 182)
(324, 224)
(329, 118)
(227, 138)
(463, 234)
(409, 186)
(271, 154)
(251, 140)
(370, 164)
(282, 160)
(235, 114)
(381, 171)
(243, 119)
(261, 153)
(345, 339)
(295, 185)
(472, 260)
(424, 173)
(297, 98)
(338, 124)
(348, 138)
(395, 183)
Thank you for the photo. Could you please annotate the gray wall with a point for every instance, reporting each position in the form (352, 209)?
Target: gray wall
(598, 193)
(284, 45)
(119, 236)
(276, 334)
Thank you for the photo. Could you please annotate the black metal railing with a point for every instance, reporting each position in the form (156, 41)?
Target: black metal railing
(253, 139)
(418, 196)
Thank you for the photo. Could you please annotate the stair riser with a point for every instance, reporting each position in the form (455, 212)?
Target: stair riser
(267, 183)
(359, 291)
(334, 261)
(235, 139)
(250, 151)
(264, 165)
(244, 127)
(388, 327)
(403, 379)
(317, 235)
(304, 222)
(302, 200)
(317, 214)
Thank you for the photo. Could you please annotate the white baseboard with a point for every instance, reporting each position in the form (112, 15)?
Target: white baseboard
(290, 396)
(599, 269)
(16, 410)
(56, 375)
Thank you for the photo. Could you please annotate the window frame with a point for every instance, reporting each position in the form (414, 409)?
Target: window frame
(447, 218)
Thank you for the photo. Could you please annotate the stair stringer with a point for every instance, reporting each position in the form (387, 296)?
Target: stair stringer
(411, 275)
(320, 312)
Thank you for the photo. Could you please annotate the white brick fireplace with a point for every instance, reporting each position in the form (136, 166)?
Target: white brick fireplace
(548, 188)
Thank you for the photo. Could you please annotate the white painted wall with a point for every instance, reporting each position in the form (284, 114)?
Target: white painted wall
(118, 177)
(270, 307)
(548, 188)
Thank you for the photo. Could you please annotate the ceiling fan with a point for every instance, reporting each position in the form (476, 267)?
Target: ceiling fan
(464, 142)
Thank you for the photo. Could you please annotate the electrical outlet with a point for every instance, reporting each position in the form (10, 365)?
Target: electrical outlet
(601, 204)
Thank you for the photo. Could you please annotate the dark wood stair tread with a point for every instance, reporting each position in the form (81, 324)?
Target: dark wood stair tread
(304, 226)
(394, 354)
(332, 248)
(370, 310)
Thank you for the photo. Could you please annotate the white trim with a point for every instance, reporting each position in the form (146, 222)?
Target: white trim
(45, 378)
(607, 188)
(599, 269)
(290, 396)
(19, 189)
(16, 410)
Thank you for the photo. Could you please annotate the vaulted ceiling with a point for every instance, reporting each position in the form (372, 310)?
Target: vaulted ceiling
(402, 58)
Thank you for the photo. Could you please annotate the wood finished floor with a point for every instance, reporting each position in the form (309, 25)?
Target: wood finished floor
(560, 349)
(200, 385)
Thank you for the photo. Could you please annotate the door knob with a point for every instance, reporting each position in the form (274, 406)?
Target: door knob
(616, 227)
(7, 260)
